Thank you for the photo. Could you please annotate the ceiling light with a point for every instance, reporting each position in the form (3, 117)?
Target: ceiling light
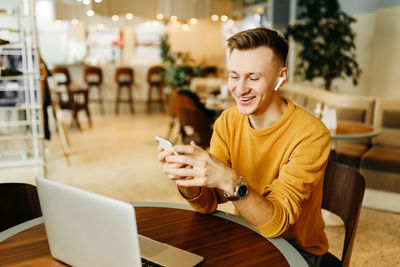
(193, 21)
(174, 18)
(224, 18)
(230, 21)
(129, 16)
(214, 17)
(86, 2)
(185, 27)
(160, 16)
(90, 13)
(115, 17)
(74, 22)
(98, 1)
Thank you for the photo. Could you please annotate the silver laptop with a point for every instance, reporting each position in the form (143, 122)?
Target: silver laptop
(86, 229)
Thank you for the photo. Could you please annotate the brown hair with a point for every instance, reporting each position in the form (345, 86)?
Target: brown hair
(251, 39)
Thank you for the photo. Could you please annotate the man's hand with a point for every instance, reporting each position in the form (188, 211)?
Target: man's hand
(199, 168)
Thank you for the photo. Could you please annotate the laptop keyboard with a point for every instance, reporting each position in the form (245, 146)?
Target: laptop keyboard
(149, 263)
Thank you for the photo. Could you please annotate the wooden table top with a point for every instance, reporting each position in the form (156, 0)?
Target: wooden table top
(220, 241)
(353, 130)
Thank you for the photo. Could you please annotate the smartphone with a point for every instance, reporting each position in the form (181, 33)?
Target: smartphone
(166, 144)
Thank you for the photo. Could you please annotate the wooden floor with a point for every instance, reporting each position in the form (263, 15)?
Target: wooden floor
(117, 158)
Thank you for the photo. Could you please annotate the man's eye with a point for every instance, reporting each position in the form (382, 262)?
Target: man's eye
(253, 78)
(234, 77)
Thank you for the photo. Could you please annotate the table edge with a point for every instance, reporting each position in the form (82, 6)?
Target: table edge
(292, 256)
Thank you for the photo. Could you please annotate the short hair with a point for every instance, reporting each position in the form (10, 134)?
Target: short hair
(254, 38)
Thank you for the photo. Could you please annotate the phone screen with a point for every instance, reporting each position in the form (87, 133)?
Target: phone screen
(166, 144)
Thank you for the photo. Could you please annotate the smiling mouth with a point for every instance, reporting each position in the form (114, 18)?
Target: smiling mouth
(245, 99)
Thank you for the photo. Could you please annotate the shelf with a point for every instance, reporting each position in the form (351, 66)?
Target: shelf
(38, 107)
(17, 46)
(21, 163)
(17, 15)
(13, 52)
(18, 123)
(20, 137)
(13, 89)
(20, 77)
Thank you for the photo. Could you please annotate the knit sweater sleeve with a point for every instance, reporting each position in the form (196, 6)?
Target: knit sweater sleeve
(296, 180)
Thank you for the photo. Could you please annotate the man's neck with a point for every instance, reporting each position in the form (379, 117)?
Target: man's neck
(274, 112)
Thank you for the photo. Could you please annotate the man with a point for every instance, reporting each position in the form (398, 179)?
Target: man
(267, 155)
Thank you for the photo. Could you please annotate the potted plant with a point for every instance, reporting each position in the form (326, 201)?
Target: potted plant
(327, 42)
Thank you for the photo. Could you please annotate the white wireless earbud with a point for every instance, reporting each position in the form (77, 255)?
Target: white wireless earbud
(280, 81)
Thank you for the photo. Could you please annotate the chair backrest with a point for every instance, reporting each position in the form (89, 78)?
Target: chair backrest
(387, 119)
(348, 107)
(343, 193)
(18, 203)
(124, 75)
(210, 71)
(61, 75)
(190, 115)
(93, 74)
(155, 75)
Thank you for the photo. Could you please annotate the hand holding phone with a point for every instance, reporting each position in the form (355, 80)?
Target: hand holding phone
(166, 144)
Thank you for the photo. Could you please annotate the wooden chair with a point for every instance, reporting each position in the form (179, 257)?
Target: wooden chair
(343, 193)
(71, 98)
(191, 117)
(210, 71)
(93, 77)
(18, 203)
(124, 77)
(63, 133)
(155, 79)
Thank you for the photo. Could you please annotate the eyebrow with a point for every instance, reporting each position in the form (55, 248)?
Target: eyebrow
(248, 73)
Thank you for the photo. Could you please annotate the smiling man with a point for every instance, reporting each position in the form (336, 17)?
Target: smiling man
(267, 155)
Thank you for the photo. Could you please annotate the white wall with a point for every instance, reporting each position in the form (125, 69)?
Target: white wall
(377, 42)
(204, 41)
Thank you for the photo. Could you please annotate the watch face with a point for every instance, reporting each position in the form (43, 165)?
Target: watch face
(242, 191)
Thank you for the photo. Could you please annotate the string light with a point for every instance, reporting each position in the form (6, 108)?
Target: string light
(90, 13)
(174, 18)
(74, 22)
(115, 17)
(160, 16)
(86, 2)
(214, 17)
(224, 18)
(185, 27)
(129, 16)
(193, 21)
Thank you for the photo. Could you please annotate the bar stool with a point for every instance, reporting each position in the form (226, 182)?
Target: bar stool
(68, 97)
(155, 79)
(124, 77)
(93, 77)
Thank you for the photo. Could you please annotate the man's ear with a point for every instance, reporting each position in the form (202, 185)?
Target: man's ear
(280, 81)
(282, 78)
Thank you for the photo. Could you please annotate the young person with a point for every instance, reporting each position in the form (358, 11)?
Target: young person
(267, 155)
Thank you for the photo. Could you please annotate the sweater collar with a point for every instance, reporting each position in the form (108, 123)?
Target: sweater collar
(285, 116)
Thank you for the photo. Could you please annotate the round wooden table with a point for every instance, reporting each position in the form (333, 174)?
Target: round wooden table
(223, 239)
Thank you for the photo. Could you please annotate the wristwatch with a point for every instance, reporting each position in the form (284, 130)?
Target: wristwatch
(241, 191)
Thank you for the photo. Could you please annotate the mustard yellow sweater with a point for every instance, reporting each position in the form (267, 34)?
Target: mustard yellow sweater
(285, 163)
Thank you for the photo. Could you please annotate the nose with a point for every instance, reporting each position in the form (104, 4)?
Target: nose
(241, 87)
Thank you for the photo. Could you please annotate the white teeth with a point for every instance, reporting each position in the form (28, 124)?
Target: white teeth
(246, 98)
